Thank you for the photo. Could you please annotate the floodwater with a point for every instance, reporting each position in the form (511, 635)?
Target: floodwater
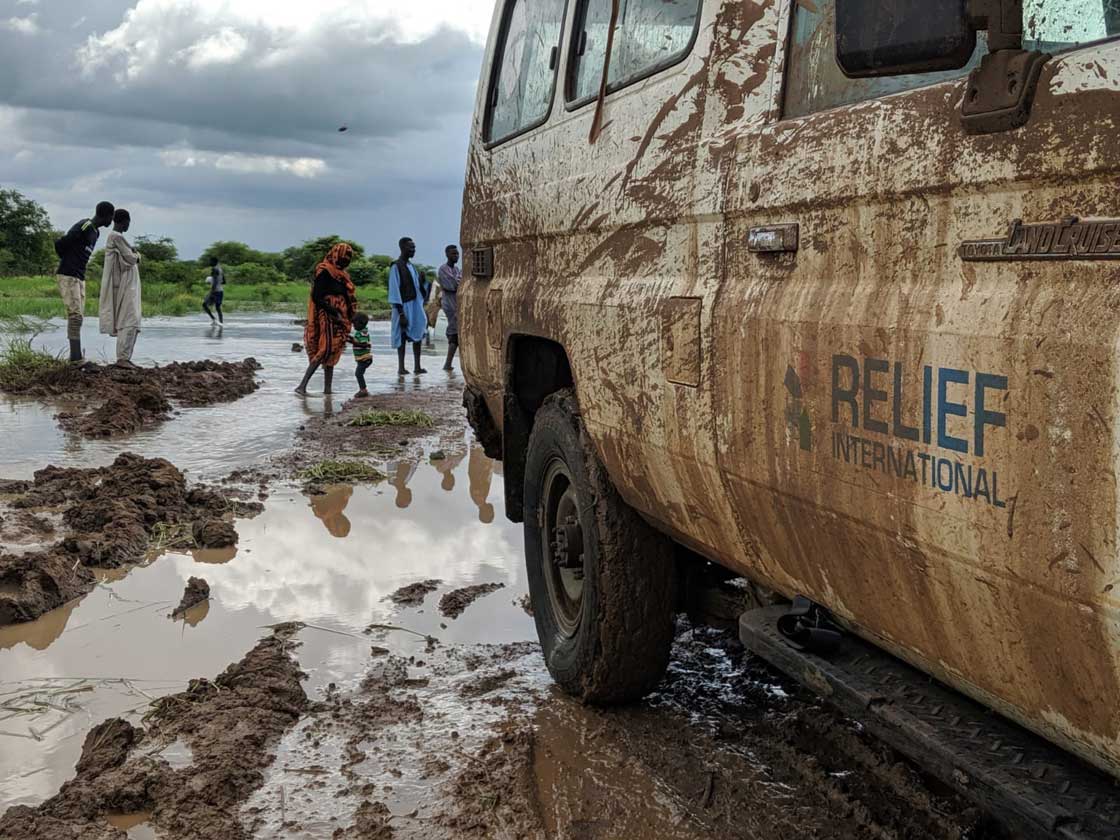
(212, 441)
(326, 561)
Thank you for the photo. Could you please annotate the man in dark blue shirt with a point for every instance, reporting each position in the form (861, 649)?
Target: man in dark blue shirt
(74, 250)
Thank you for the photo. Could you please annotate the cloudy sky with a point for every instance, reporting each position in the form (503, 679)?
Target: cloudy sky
(218, 119)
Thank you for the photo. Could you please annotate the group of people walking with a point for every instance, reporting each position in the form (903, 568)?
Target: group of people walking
(333, 319)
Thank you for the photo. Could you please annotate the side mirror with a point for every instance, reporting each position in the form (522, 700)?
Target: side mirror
(874, 38)
(899, 37)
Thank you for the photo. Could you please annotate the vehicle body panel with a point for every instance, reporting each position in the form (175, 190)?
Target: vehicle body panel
(702, 369)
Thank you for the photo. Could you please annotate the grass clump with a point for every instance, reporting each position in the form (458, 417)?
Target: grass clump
(341, 472)
(410, 417)
(21, 365)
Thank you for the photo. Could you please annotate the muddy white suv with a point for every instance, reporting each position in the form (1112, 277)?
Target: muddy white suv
(825, 292)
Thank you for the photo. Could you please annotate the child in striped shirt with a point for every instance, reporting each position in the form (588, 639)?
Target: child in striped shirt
(363, 350)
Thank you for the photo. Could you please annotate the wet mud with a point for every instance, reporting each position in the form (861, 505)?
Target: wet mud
(197, 591)
(118, 401)
(230, 725)
(453, 603)
(110, 517)
(413, 594)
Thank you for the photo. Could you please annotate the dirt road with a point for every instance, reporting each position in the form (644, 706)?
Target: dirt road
(365, 667)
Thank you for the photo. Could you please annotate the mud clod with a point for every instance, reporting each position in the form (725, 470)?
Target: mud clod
(111, 517)
(214, 533)
(453, 604)
(118, 401)
(414, 594)
(231, 726)
(38, 582)
(371, 822)
(197, 591)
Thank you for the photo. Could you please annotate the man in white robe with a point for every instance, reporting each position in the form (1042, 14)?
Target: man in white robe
(119, 305)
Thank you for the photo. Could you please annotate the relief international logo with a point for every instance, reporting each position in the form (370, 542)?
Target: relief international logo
(1070, 239)
(797, 416)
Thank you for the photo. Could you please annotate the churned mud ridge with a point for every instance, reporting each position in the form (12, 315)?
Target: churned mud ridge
(111, 517)
(413, 594)
(455, 602)
(117, 401)
(231, 725)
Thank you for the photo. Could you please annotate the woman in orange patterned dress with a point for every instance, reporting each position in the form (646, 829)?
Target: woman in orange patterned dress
(329, 314)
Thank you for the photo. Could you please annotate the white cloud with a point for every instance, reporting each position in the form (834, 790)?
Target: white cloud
(225, 47)
(151, 30)
(25, 25)
(301, 167)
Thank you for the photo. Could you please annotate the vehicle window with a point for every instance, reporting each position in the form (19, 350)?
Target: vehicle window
(650, 35)
(814, 81)
(1055, 25)
(521, 95)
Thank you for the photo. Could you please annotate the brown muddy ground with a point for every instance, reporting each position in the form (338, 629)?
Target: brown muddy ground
(108, 517)
(229, 726)
(439, 740)
(118, 401)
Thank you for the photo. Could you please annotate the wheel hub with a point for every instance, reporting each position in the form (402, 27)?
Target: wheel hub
(566, 549)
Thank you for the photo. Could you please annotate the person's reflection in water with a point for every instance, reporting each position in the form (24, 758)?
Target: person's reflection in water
(329, 508)
(401, 476)
(480, 469)
(446, 468)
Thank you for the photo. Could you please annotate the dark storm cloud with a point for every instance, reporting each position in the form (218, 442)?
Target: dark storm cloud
(188, 118)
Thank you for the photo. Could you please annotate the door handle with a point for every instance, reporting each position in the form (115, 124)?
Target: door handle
(774, 239)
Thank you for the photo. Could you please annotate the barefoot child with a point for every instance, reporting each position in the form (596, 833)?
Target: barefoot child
(363, 350)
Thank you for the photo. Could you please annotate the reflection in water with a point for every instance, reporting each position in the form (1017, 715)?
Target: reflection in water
(195, 615)
(41, 633)
(293, 564)
(480, 471)
(214, 556)
(329, 508)
(402, 474)
(446, 467)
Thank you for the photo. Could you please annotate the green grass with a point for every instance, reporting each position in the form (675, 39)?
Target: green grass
(21, 365)
(341, 472)
(37, 297)
(392, 418)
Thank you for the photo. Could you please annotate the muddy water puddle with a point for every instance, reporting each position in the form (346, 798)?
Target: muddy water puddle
(327, 561)
(205, 442)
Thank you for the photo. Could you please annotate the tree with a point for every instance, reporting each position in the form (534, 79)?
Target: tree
(154, 249)
(26, 236)
(300, 261)
(238, 253)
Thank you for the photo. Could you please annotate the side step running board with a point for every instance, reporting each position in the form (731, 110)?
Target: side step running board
(1036, 788)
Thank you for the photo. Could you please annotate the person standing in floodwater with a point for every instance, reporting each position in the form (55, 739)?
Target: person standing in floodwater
(217, 279)
(450, 276)
(409, 321)
(74, 250)
(330, 313)
(119, 304)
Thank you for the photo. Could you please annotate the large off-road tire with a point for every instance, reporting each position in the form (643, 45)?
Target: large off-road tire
(601, 579)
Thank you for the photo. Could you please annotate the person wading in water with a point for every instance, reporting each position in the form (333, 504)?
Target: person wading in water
(214, 297)
(119, 304)
(330, 313)
(410, 322)
(74, 250)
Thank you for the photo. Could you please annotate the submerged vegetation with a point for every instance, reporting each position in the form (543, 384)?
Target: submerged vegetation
(393, 418)
(341, 472)
(21, 365)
